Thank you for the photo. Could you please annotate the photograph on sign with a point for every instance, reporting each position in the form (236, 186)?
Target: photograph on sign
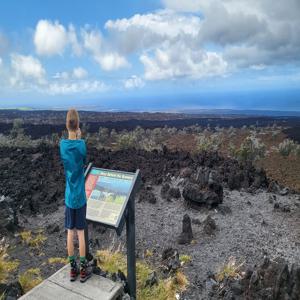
(107, 193)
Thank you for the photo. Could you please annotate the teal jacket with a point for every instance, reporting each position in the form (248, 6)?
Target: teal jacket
(73, 156)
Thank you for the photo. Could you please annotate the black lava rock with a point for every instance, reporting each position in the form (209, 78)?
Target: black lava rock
(209, 225)
(8, 220)
(174, 192)
(186, 235)
(11, 291)
(147, 196)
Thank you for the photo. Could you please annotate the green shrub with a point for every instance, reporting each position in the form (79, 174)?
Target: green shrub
(287, 147)
(250, 150)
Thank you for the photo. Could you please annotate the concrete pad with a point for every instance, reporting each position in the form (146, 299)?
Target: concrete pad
(59, 286)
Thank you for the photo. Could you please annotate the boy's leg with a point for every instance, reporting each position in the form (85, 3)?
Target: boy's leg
(70, 245)
(70, 242)
(85, 269)
(80, 234)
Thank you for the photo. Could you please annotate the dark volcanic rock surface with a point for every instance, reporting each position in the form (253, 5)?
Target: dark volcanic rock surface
(8, 219)
(34, 177)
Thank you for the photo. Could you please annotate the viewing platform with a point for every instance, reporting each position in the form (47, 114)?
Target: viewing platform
(59, 286)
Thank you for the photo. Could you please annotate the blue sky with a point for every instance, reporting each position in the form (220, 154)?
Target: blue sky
(150, 55)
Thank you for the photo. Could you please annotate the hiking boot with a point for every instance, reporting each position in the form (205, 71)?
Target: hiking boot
(74, 271)
(85, 271)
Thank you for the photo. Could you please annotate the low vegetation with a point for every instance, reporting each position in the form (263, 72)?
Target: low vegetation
(185, 259)
(33, 240)
(230, 270)
(165, 289)
(6, 266)
(58, 260)
(30, 279)
(289, 147)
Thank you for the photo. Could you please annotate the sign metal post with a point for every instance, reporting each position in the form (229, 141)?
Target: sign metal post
(130, 238)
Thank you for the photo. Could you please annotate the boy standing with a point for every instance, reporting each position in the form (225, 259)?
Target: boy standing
(73, 156)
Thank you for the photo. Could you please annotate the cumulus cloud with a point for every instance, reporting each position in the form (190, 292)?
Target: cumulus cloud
(76, 73)
(78, 87)
(177, 61)
(251, 32)
(111, 61)
(146, 31)
(1, 62)
(247, 33)
(79, 73)
(107, 58)
(26, 68)
(27, 73)
(134, 82)
(50, 38)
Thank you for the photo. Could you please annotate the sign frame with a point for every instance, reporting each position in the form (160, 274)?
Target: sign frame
(131, 194)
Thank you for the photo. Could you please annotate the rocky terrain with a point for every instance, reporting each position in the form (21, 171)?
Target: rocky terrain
(202, 205)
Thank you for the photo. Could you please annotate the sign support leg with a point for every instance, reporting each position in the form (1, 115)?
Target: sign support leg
(130, 234)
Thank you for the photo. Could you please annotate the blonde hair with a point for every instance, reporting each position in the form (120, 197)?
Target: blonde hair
(72, 122)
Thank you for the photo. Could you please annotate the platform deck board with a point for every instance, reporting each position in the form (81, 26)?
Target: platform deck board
(58, 286)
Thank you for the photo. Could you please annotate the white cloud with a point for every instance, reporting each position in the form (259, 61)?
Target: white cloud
(72, 37)
(50, 38)
(111, 61)
(149, 30)
(1, 61)
(107, 58)
(176, 61)
(65, 88)
(248, 33)
(61, 75)
(79, 73)
(76, 73)
(92, 40)
(134, 82)
(252, 32)
(26, 68)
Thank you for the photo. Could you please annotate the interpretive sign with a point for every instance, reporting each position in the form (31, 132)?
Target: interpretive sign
(107, 194)
(110, 202)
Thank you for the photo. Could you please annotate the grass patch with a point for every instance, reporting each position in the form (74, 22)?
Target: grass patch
(166, 289)
(6, 266)
(148, 253)
(33, 240)
(229, 270)
(185, 259)
(58, 260)
(30, 279)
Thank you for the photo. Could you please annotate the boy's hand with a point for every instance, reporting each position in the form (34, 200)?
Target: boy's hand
(78, 133)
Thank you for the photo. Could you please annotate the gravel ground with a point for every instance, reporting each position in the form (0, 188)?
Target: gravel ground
(248, 227)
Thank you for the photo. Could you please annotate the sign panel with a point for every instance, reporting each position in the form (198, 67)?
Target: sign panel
(107, 193)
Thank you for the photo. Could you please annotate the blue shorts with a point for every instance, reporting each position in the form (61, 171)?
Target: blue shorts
(75, 218)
